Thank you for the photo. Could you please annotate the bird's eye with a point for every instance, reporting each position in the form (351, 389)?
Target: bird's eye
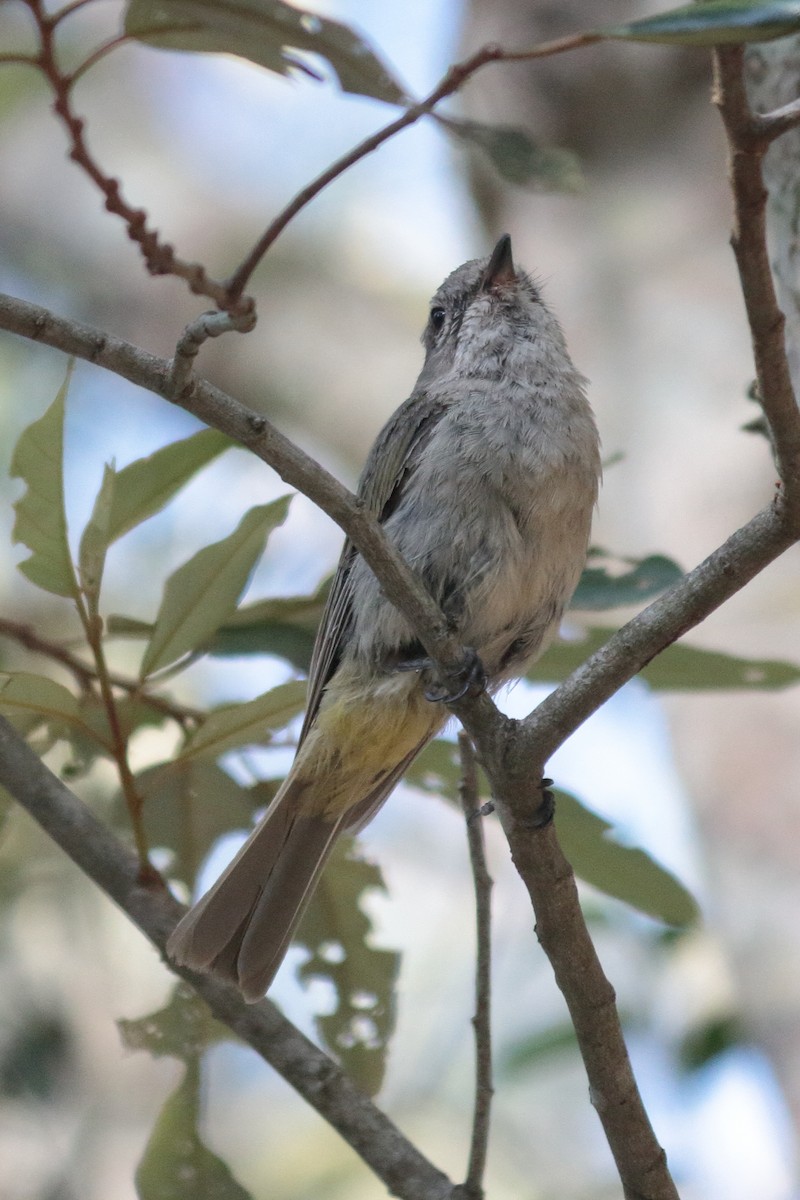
(437, 319)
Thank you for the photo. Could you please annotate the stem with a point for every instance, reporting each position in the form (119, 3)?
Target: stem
(484, 1090)
(93, 626)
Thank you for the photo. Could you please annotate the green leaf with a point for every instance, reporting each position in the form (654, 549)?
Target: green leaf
(336, 933)
(22, 693)
(284, 627)
(176, 1164)
(182, 1029)
(189, 805)
(517, 158)
(678, 668)
(532, 1051)
(95, 541)
(713, 23)
(625, 872)
(263, 31)
(437, 770)
(600, 589)
(145, 486)
(202, 594)
(41, 522)
(249, 724)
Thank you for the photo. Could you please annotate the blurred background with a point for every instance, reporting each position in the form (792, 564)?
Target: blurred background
(638, 267)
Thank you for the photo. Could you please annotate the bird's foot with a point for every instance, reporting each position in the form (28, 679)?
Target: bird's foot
(470, 676)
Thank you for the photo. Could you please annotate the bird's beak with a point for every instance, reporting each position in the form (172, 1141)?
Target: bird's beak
(500, 268)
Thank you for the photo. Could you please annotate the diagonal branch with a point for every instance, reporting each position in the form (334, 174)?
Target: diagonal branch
(405, 1172)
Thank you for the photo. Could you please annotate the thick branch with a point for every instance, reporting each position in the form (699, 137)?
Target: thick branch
(405, 1172)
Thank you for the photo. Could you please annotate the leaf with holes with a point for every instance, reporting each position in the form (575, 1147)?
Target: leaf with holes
(337, 933)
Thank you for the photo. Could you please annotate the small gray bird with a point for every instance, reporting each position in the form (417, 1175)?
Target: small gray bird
(485, 481)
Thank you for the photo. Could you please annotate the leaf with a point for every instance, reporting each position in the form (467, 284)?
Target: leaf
(22, 693)
(182, 1029)
(599, 589)
(41, 522)
(145, 486)
(713, 23)
(517, 158)
(336, 933)
(262, 31)
(530, 1052)
(625, 872)
(203, 593)
(678, 668)
(249, 724)
(95, 541)
(188, 806)
(437, 769)
(176, 1164)
(285, 627)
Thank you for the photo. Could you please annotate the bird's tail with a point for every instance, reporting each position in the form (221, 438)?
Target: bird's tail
(242, 926)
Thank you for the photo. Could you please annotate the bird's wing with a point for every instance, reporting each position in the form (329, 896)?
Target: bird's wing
(386, 471)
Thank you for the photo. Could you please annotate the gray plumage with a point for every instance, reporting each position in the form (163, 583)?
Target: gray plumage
(485, 480)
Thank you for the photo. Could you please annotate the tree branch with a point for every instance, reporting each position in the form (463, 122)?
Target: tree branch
(746, 149)
(90, 845)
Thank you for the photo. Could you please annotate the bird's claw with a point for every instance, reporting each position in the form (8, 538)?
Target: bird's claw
(469, 677)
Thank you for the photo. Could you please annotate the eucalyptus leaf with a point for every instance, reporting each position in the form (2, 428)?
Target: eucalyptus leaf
(678, 668)
(182, 1029)
(41, 521)
(336, 932)
(145, 486)
(176, 1164)
(248, 724)
(95, 541)
(203, 593)
(517, 158)
(600, 588)
(625, 872)
(264, 32)
(26, 695)
(713, 23)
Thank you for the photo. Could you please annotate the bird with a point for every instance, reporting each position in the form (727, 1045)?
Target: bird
(485, 481)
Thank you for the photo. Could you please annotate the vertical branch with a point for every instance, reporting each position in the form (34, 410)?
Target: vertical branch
(468, 793)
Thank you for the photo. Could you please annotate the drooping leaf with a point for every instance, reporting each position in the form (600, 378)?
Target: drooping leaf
(625, 872)
(713, 23)
(176, 1164)
(599, 588)
(41, 521)
(678, 668)
(249, 724)
(182, 1029)
(265, 32)
(189, 805)
(203, 593)
(517, 158)
(336, 933)
(95, 541)
(145, 486)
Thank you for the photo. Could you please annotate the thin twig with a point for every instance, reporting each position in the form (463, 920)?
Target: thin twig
(95, 57)
(86, 675)
(749, 242)
(484, 1090)
(207, 325)
(771, 125)
(405, 1172)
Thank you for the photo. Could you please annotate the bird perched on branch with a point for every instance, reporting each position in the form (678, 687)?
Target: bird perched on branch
(485, 480)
